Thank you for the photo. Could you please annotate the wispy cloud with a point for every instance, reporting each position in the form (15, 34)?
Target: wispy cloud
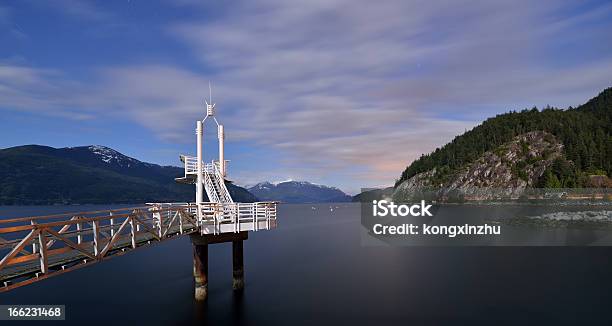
(339, 83)
(345, 90)
(43, 91)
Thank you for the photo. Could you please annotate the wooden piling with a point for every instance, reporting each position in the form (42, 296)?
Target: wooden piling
(237, 265)
(200, 259)
(200, 271)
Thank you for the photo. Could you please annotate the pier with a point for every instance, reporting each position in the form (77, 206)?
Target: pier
(35, 248)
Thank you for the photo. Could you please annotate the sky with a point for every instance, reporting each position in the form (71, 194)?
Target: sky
(336, 92)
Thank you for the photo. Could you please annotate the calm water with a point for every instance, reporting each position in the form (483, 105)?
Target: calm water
(312, 270)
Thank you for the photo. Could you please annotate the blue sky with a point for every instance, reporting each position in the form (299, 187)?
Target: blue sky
(344, 93)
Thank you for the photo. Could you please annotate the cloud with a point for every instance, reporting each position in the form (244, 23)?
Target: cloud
(338, 83)
(26, 88)
(345, 90)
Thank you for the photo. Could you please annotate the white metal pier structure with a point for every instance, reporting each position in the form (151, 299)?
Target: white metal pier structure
(35, 248)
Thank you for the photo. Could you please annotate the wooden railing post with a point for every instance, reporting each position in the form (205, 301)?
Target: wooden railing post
(79, 235)
(132, 231)
(267, 210)
(96, 240)
(137, 225)
(34, 249)
(253, 215)
(112, 225)
(43, 251)
(160, 224)
(255, 218)
(180, 213)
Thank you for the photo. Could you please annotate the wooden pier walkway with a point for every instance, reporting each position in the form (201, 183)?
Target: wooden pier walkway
(35, 248)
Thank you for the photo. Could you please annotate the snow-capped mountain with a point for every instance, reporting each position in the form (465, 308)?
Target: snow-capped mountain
(34, 174)
(111, 156)
(104, 156)
(298, 192)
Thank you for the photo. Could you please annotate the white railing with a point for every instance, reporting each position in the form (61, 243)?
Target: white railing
(217, 214)
(218, 218)
(191, 165)
(215, 218)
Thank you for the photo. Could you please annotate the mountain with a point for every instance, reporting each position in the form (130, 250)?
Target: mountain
(298, 192)
(549, 148)
(34, 174)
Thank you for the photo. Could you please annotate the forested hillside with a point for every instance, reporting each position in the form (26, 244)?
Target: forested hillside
(585, 133)
(34, 174)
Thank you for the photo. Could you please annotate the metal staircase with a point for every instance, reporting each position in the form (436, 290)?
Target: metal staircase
(213, 180)
(214, 184)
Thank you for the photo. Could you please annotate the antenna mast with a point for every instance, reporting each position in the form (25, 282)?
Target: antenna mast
(210, 112)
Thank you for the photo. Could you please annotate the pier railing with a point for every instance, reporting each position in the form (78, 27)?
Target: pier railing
(34, 248)
(215, 218)
(218, 218)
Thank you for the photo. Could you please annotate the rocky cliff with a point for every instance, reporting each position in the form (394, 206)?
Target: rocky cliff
(503, 172)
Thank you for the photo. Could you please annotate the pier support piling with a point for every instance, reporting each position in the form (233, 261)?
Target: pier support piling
(200, 259)
(200, 271)
(238, 265)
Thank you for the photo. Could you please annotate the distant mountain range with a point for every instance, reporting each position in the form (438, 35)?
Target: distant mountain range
(34, 174)
(298, 192)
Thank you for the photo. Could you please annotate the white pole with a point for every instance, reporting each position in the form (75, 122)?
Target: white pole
(221, 150)
(200, 176)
